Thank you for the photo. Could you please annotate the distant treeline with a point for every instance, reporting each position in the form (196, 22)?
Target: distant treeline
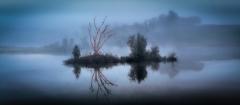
(29, 50)
(64, 47)
(173, 28)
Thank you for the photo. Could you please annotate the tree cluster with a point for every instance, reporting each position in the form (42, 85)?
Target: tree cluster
(138, 45)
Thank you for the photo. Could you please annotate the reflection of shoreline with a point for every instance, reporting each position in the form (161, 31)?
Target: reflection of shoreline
(173, 69)
(138, 72)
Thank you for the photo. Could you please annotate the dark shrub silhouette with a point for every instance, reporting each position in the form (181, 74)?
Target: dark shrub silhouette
(153, 55)
(172, 57)
(76, 53)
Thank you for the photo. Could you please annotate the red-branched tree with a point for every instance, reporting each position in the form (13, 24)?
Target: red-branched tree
(98, 35)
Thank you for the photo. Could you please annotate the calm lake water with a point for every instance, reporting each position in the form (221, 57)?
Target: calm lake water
(37, 78)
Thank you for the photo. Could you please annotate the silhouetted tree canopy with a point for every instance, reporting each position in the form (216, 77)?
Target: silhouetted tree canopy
(137, 44)
(154, 53)
(76, 52)
(172, 57)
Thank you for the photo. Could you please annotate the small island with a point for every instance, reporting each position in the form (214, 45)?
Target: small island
(137, 43)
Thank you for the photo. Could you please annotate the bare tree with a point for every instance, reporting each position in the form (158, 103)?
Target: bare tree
(98, 35)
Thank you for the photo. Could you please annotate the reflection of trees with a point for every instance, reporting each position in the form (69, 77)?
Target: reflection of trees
(173, 69)
(155, 66)
(76, 70)
(170, 69)
(138, 71)
(101, 83)
(172, 72)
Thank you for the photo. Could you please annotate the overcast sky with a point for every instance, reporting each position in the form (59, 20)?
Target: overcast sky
(18, 17)
(225, 11)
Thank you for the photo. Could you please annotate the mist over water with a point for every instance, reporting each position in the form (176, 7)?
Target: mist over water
(36, 37)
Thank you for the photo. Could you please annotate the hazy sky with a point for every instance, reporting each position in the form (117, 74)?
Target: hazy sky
(30, 18)
(225, 11)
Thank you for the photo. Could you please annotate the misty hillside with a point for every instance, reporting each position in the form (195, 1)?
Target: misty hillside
(173, 29)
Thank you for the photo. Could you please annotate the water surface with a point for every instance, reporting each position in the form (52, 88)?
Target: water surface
(37, 77)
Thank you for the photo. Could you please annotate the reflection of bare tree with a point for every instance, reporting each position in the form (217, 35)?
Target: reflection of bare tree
(101, 82)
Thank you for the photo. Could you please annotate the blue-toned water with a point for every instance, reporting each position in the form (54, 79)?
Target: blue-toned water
(32, 77)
